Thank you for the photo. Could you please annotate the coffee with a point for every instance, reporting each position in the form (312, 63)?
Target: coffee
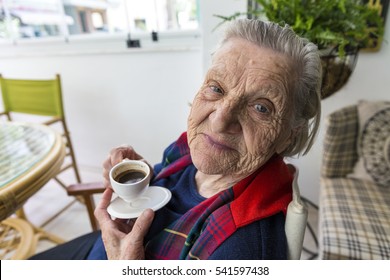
(130, 177)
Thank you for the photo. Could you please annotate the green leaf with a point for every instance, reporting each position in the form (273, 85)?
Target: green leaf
(324, 22)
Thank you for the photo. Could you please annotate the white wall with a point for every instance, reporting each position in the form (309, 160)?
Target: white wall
(209, 22)
(136, 97)
(140, 97)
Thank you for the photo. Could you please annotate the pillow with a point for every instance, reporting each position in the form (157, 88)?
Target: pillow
(373, 145)
(387, 151)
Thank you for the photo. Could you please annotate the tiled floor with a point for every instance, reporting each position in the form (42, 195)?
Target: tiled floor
(74, 221)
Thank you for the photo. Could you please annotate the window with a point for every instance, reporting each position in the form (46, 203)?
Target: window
(20, 19)
(26, 19)
(162, 15)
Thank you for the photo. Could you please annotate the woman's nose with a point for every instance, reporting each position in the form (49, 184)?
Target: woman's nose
(225, 119)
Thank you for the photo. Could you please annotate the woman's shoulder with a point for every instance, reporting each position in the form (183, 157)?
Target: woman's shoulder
(263, 239)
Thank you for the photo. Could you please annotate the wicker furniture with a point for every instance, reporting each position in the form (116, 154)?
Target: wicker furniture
(30, 156)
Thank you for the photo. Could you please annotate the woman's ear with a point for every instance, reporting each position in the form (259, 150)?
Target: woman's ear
(283, 145)
(290, 140)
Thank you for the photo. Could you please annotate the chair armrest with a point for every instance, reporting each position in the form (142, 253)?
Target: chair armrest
(86, 191)
(5, 114)
(85, 188)
(296, 219)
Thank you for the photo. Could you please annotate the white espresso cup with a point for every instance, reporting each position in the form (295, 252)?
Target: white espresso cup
(130, 179)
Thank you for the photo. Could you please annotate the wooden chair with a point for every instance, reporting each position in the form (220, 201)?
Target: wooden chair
(43, 98)
(86, 191)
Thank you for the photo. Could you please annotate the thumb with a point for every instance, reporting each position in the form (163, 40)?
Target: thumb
(141, 226)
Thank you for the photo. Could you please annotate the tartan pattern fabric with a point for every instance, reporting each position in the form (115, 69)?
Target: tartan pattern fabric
(202, 229)
(178, 157)
(354, 220)
(354, 216)
(340, 143)
(180, 240)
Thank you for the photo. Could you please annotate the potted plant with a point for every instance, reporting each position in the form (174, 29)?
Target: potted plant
(338, 27)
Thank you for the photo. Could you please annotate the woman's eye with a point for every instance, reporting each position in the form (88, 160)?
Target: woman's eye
(261, 109)
(216, 89)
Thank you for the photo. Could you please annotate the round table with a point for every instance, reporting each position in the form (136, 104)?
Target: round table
(30, 155)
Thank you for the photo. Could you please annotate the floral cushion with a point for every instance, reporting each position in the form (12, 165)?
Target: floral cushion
(373, 164)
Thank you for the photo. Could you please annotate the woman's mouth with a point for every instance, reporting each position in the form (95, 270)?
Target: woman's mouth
(217, 144)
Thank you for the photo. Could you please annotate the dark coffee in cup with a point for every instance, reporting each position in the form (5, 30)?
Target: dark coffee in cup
(130, 176)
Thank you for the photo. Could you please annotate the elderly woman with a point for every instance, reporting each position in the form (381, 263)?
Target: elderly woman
(230, 186)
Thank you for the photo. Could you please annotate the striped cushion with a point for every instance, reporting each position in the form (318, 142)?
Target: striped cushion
(354, 220)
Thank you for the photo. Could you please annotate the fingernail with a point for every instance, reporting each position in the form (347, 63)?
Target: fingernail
(148, 213)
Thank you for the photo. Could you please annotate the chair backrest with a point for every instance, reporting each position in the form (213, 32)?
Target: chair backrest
(37, 97)
(296, 220)
(41, 98)
(340, 142)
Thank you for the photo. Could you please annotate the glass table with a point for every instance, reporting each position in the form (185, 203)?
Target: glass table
(30, 155)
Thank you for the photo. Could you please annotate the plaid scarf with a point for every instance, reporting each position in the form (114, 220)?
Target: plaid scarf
(176, 159)
(199, 232)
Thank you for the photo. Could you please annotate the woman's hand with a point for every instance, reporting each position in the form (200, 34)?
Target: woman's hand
(115, 156)
(123, 239)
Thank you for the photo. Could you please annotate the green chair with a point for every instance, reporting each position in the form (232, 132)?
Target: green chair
(40, 98)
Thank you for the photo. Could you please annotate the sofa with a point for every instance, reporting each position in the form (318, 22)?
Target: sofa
(354, 203)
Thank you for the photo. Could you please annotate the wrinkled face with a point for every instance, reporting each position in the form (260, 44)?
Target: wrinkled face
(242, 114)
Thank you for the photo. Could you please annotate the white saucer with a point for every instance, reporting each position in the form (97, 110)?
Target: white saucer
(153, 198)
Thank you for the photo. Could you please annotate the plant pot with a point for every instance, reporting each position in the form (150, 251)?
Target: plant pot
(336, 70)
